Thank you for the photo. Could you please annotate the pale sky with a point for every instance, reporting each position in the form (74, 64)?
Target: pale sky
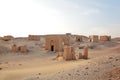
(84, 17)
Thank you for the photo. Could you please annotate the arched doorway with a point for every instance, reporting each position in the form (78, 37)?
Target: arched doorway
(52, 47)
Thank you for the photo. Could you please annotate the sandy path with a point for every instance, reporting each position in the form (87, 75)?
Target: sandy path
(18, 74)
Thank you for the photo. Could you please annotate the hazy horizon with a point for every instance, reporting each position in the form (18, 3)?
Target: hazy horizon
(84, 17)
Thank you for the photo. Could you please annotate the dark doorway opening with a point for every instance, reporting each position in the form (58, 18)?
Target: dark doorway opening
(79, 40)
(52, 48)
(90, 40)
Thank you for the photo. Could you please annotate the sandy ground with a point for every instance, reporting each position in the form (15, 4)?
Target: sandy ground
(38, 64)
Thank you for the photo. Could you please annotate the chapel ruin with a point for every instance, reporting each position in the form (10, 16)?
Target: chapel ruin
(56, 42)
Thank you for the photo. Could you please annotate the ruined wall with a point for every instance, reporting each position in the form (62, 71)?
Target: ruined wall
(68, 53)
(78, 38)
(34, 37)
(85, 52)
(66, 40)
(14, 48)
(8, 37)
(22, 49)
(105, 38)
(93, 38)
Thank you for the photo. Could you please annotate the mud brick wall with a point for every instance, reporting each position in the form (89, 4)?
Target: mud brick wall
(78, 39)
(55, 43)
(68, 53)
(105, 38)
(8, 37)
(93, 38)
(85, 52)
(34, 37)
(14, 48)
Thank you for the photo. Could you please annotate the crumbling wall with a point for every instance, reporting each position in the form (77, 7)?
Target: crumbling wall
(22, 49)
(105, 38)
(34, 37)
(14, 48)
(66, 40)
(7, 38)
(69, 53)
(78, 39)
(85, 52)
(93, 38)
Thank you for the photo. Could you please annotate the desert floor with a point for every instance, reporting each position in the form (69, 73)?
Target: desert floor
(38, 64)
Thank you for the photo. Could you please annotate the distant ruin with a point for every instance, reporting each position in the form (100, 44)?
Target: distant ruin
(93, 38)
(61, 44)
(7, 38)
(105, 38)
(96, 38)
(34, 37)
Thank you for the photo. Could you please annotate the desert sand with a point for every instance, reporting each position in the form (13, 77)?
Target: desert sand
(39, 64)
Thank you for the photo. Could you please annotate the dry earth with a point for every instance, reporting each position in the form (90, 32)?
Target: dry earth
(38, 64)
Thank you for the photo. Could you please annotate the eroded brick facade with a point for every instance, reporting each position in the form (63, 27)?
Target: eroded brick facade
(93, 38)
(85, 52)
(55, 42)
(34, 37)
(22, 49)
(105, 38)
(7, 38)
(69, 53)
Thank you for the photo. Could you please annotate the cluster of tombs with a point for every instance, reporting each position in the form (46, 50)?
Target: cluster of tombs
(95, 38)
(69, 54)
(30, 37)
(77, 38)
(60, 44)
(57, 42)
